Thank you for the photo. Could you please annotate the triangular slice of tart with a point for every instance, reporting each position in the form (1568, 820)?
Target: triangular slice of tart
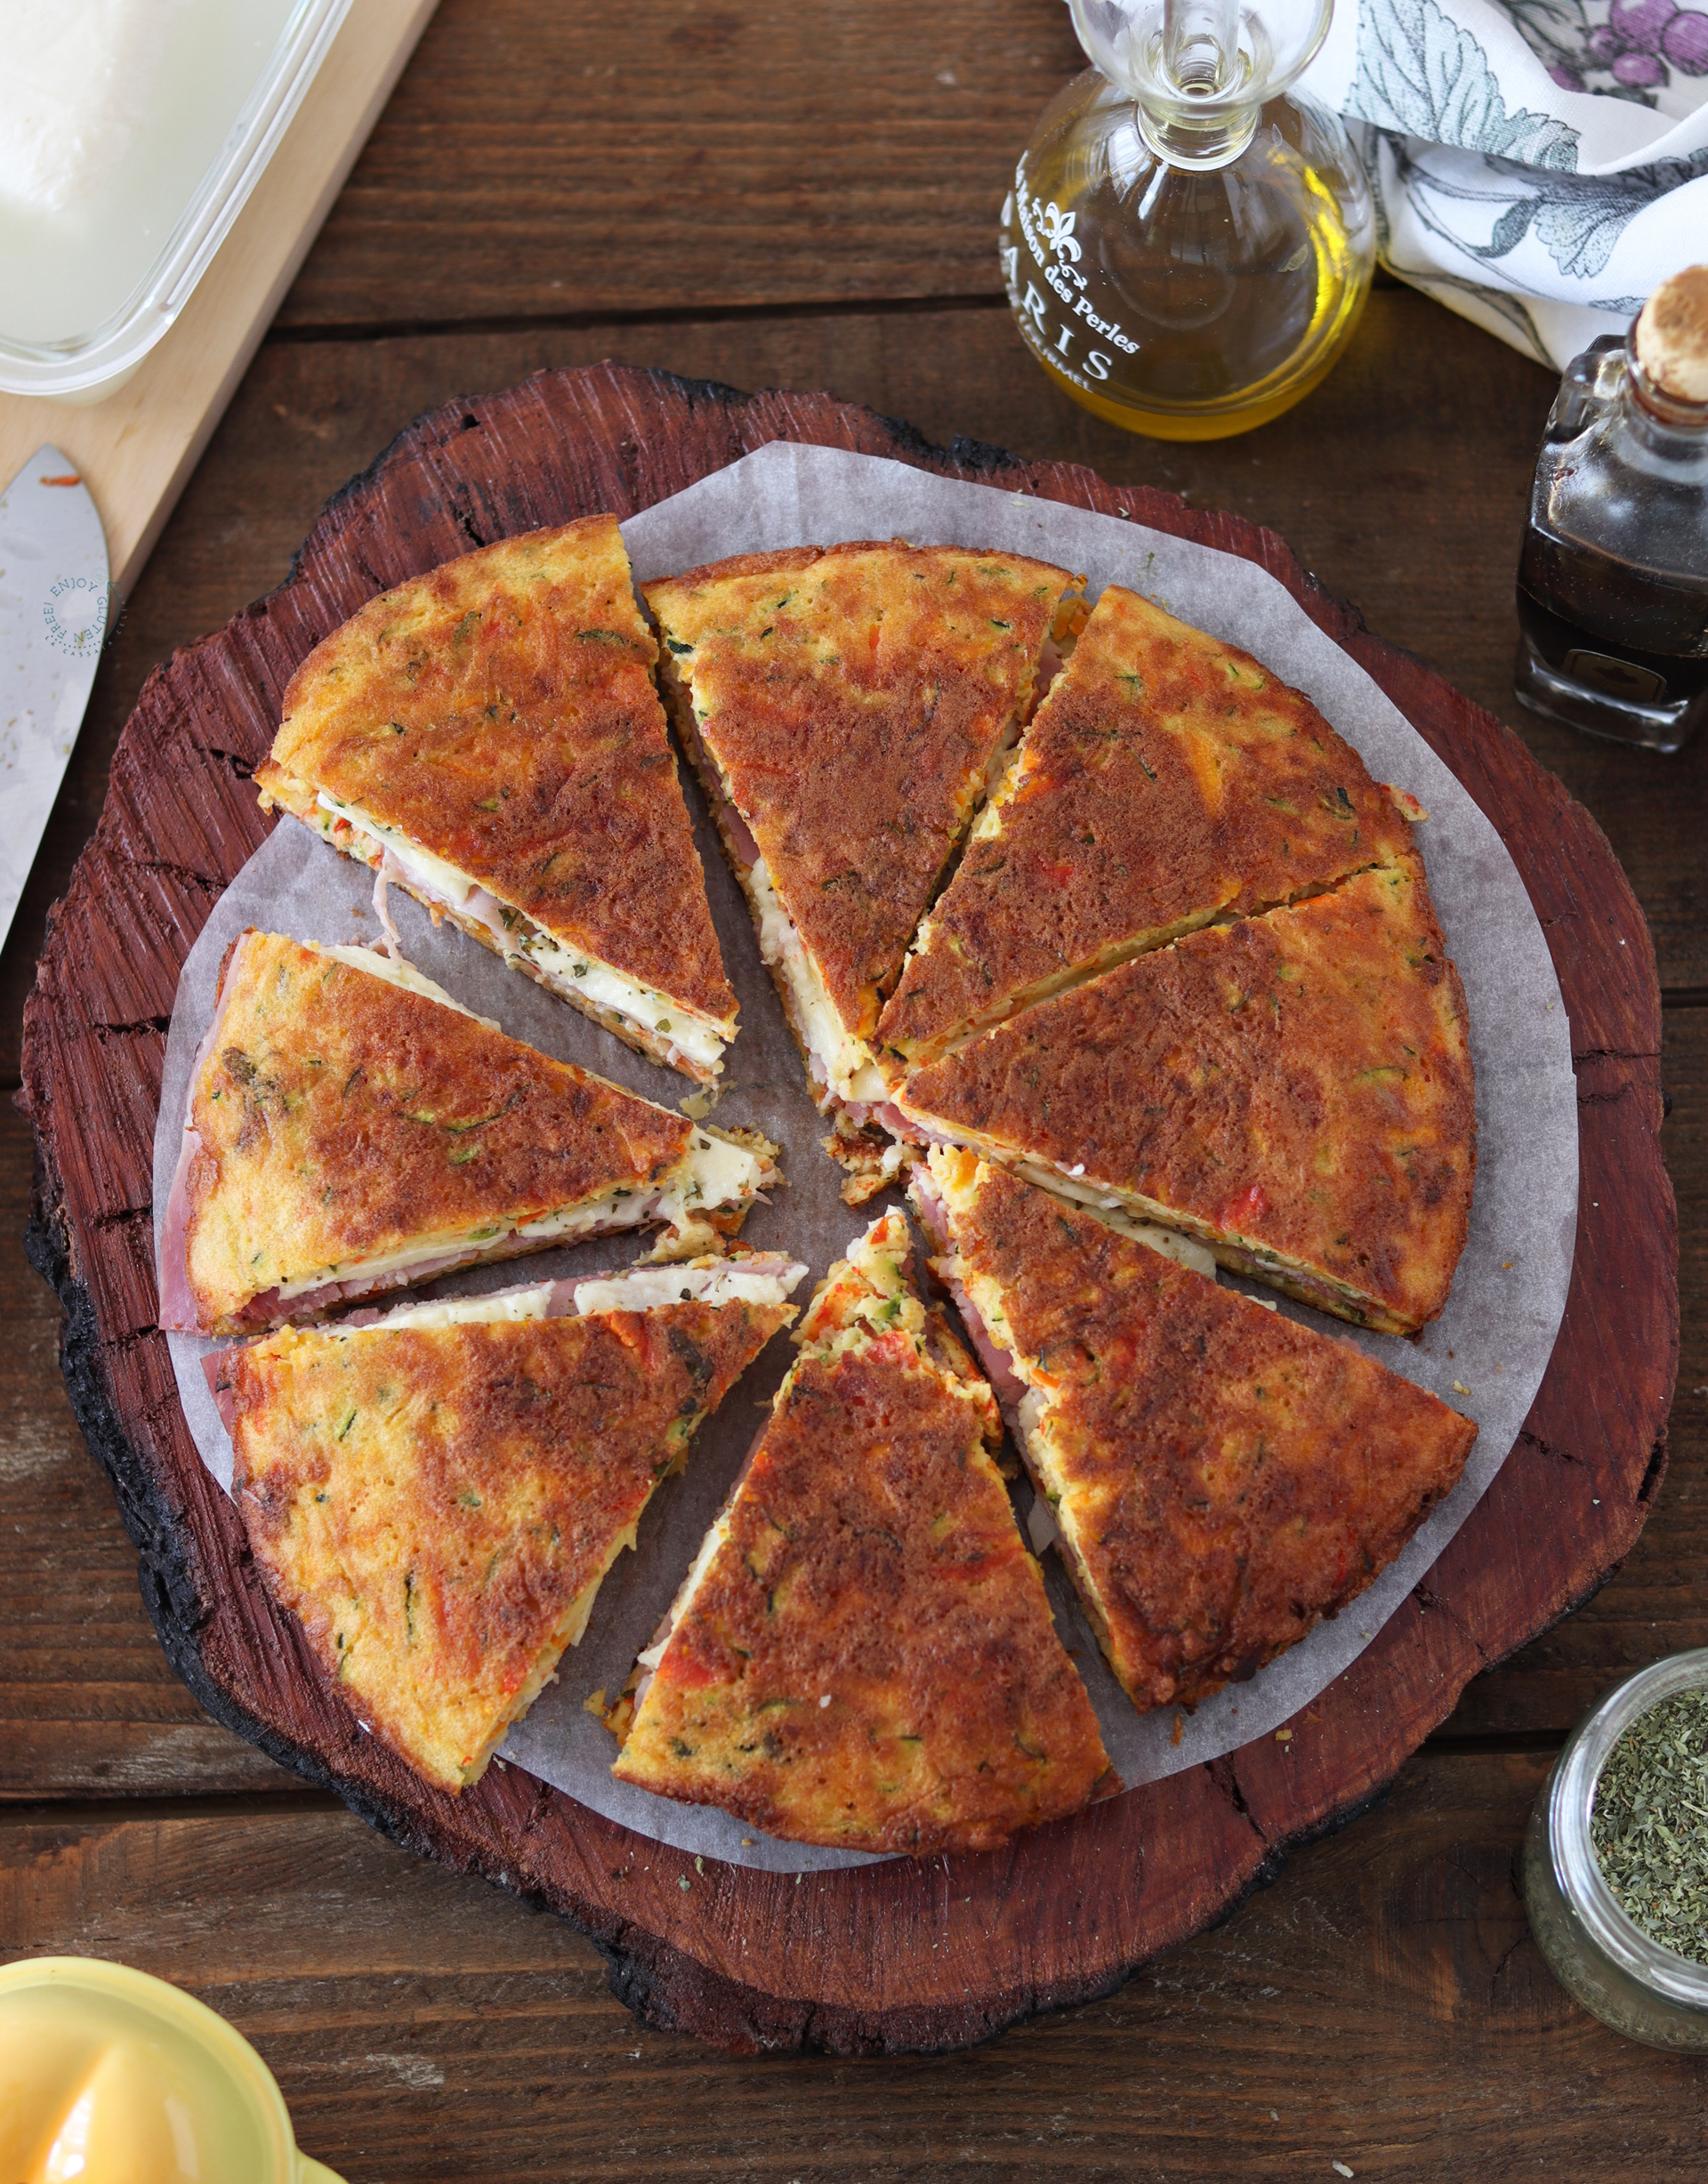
(438, 1495)
(351, 1128)
(862, 1654)
(490, 736)
(847, 707)
(1295, 1090)
(1166, 779)
(1220, 1479)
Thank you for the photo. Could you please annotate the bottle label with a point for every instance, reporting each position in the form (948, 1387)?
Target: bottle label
(1619, 677)
(1074, 337)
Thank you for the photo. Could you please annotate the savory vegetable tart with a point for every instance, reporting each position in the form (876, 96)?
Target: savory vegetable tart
(1221, 1477)
(1183, 998)
(847, 707)
(351, 1128)
(438, 1497)
(1167, 779)
(862, 1654)
(1295, 1089)
(488, 736)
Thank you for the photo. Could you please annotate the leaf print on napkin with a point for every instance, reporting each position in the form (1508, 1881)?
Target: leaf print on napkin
(1580, 218)
(1421, 73)
(1580, 227)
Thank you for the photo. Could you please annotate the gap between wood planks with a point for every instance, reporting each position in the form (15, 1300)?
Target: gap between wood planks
(662, 315)
(79, 1810)
(302, 334)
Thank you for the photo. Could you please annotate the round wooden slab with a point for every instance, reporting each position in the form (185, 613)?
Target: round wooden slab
(907, 1955)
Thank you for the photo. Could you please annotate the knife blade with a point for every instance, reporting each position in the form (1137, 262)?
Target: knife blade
(54, 599)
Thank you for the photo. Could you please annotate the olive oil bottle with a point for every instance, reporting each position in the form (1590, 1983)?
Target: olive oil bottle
(1187, 246)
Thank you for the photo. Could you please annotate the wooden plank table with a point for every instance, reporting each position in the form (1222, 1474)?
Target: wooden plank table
(805, 197)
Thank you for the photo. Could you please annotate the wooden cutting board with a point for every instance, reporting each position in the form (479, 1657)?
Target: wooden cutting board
(135, 450)
(907, 1955)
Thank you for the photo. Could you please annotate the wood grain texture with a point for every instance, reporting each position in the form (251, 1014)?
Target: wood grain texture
(685, 154)
(898, 1956)
(1655, 1605)
(89, 1704)
(1384, 2008)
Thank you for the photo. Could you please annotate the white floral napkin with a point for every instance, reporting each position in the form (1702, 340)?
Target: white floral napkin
(1539, 166)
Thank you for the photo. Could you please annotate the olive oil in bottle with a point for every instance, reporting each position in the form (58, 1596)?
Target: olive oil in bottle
(1187, 246)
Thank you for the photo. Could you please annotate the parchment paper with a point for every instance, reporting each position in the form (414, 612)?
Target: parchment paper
(1485, 1356)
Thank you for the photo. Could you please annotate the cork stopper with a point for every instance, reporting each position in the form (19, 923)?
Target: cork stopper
(1673, 335)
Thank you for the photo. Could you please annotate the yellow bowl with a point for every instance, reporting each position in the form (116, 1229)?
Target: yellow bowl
(108, 2077)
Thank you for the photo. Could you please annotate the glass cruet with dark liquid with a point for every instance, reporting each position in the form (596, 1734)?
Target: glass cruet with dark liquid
(1188, 244)
(1613, 579)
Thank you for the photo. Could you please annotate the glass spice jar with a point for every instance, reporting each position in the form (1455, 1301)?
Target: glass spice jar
(1599, 1955)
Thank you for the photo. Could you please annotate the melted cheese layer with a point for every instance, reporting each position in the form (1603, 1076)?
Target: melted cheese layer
(504, 1304)
(846, 1061)
(1186, 1249)
(641, 1289)
(395, 971)
(562, 968)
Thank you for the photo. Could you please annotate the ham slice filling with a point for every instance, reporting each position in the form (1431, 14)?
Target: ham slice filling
(717, 1280)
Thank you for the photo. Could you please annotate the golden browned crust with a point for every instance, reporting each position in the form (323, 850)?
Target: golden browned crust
(435, 1504)
(869, 1660)
(341, 1116)
(500, 712)
(1225, 1478)
(1295, 1089)
(852, 698)
(1167, 778)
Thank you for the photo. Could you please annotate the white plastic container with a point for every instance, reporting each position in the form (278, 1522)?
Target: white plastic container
(131, 132)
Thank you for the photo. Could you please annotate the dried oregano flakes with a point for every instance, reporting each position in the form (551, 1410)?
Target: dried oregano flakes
(1649, 1824)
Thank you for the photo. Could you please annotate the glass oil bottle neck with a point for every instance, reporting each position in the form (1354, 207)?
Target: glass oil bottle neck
(1191, 115)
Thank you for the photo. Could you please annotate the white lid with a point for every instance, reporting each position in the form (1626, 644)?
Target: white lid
(79, 331)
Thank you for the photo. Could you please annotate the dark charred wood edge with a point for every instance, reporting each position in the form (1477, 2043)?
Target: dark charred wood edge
(655, 1972)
